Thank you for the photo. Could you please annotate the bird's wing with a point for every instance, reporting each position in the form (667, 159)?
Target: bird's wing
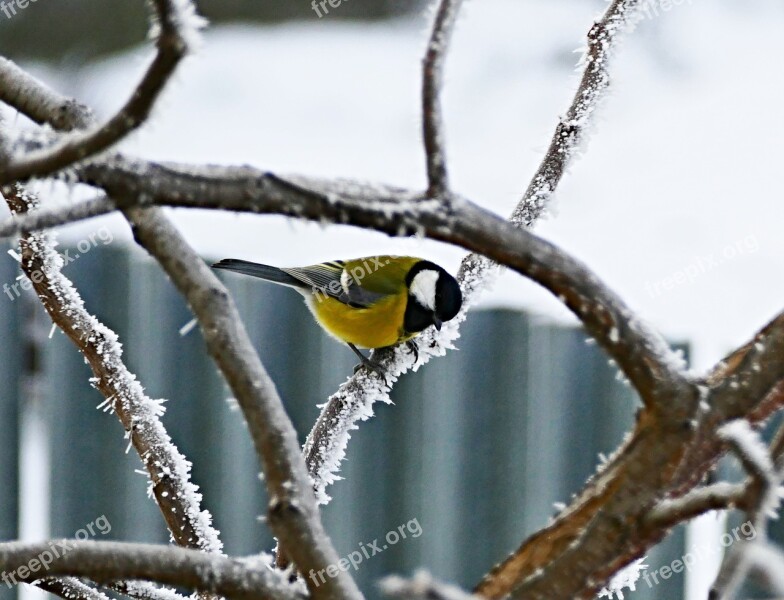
(332, 279)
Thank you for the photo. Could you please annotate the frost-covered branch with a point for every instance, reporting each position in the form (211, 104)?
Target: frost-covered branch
(753, 372)
(169, 471)
(175, 25)
(53, 216)
(747, 445)
(293, 513)
(69, 588)
(432, 82)
(422, 587)
(718, 496)
(765, 491)
(24, 92)
(570, 133)
(144, 590)
(108, 562)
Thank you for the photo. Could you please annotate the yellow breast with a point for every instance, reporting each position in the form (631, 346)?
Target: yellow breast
(375, 327)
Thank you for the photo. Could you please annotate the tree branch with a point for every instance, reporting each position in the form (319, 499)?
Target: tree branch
(293, 514)
(169, 471)
(719, 496)
(763, 491)
(422, 587)
(642, 355)
(69, 588)
(23, 91)
(173, 17)
(143, 590)
(571, 130)
(54, 216)
(109, 562)
(432, 82)
(757, 368)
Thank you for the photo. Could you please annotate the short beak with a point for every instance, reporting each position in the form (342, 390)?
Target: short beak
(437, 323)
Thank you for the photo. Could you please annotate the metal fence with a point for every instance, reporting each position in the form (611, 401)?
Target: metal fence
(472, 457)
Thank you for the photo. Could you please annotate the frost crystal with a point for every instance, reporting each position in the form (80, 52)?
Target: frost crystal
(623, 579)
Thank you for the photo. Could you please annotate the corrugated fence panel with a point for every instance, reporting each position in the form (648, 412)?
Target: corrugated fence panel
(478, 448)
(11, 365)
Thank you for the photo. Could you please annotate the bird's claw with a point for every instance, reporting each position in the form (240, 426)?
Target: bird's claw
(413, 349)
(373, 368)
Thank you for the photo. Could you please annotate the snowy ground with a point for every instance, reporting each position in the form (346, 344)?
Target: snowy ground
(673, 204)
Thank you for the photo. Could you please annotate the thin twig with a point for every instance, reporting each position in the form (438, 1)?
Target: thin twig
(757, 371)
(171, 46)
(718, 496)
(754, 455)
(143, 590)
(54, 216)
(69, 588)
(432, 82)
(570, 132)
(422, 587)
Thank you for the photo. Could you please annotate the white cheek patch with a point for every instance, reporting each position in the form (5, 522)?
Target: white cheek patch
(423, 288)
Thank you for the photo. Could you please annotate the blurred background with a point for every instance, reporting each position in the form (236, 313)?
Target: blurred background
(671, 204)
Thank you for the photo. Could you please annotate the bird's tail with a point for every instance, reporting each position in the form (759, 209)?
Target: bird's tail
(266, 272)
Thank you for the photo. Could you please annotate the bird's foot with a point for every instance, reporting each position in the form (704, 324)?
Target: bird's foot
(413, 349)
(370, 365)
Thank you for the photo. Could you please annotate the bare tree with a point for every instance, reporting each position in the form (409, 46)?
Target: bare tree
(654, 481)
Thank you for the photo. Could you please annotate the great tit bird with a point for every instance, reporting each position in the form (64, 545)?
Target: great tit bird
(372, 302)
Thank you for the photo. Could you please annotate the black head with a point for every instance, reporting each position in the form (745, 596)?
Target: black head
(433, 297)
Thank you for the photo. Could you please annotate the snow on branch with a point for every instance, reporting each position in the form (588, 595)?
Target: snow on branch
(626, 578)
(422, 586)
(754, 554)
(23, 91)
(108, 562)
(432, 82)
(144, 590)
(169, 471)
(53, 216)
(620, 17)
(69, 588)
(752, 452)
(752, 372)
(176, 29)
(718, 496)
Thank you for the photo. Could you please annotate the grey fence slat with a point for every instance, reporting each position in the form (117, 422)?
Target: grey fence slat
(11, 350)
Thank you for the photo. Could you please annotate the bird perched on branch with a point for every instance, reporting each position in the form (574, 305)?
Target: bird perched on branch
(372, 302)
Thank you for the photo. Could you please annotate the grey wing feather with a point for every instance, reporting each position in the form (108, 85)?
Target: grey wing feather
(324, 277)
(327, 278)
